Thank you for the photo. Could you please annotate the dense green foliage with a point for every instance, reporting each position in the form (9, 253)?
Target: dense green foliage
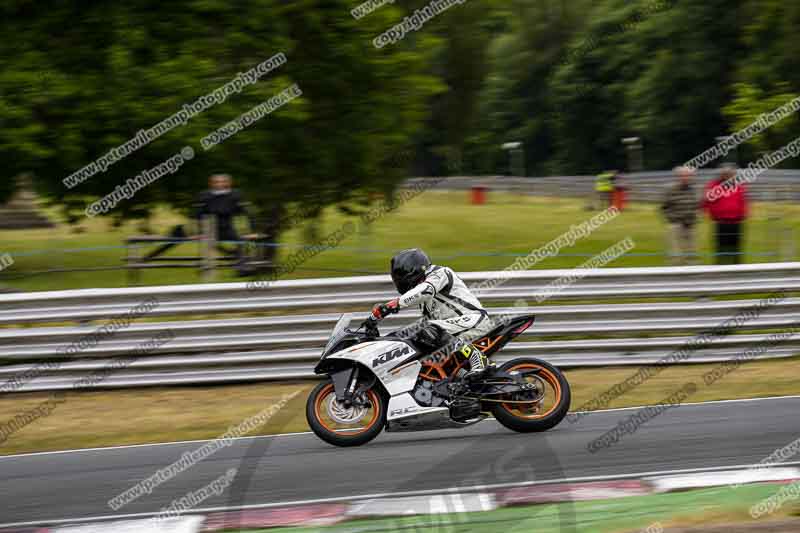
(80, 80)
(568, 78)
(676, 73)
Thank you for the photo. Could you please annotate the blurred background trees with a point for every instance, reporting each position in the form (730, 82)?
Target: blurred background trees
(567, 78)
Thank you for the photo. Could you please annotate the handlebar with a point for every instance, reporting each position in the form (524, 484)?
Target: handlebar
(370, 326)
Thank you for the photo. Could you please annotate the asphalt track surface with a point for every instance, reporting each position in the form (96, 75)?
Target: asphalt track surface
(299, 467)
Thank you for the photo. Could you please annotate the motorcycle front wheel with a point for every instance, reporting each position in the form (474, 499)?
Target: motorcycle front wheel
(541, 407)
(343, 425)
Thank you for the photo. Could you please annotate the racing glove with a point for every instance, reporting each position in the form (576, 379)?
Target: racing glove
(381, 311)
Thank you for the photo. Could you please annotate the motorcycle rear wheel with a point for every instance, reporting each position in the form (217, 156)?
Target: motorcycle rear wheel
(536, 415)
(328, 418)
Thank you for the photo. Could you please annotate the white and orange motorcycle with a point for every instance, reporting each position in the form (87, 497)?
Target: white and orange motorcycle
(375, 383)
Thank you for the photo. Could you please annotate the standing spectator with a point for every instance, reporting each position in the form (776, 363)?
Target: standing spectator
(680, 209)
(726, 203)
(619, 192)
(223, 202)
(604, 188)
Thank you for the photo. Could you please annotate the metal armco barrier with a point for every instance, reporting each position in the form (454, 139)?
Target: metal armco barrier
(642, 186)
(285, 346)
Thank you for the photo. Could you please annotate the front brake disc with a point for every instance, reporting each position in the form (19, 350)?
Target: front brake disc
(343, 414)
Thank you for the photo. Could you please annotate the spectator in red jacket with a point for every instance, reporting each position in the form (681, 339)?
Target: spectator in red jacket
(725, 201)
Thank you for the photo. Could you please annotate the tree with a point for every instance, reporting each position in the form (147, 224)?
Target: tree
(767, 74)
(120, 68)
(515, 103)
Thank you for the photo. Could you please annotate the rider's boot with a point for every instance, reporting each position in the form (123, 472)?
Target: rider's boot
(449, 344)
(478, 363)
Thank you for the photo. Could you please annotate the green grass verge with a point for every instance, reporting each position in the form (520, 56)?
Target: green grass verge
(631, 514)
(147, 415)
(464, 236)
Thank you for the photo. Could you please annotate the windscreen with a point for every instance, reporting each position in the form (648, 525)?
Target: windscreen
(339, 331)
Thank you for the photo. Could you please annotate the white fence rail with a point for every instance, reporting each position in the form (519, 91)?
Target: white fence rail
(285, 346)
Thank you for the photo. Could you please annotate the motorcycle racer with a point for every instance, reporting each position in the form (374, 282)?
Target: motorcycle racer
(450, 311)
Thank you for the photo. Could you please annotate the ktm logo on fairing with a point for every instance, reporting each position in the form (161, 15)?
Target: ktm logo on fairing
(389, 356)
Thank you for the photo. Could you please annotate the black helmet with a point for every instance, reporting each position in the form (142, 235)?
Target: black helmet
(408, 269)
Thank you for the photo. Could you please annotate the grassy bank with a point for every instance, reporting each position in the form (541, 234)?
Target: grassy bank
(464, 236)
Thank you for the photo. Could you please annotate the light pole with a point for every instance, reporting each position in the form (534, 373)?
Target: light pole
(635, 151)
(516, 158)
(733, 155)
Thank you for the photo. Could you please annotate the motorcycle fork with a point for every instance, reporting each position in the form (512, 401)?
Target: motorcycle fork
(348, 391)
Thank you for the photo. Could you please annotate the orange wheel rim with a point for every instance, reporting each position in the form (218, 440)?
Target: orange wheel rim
(348, 432)
(523, 410)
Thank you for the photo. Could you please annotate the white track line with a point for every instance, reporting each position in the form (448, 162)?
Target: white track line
(794, 396)
(427, 492)
(176, 443)
(153, 444)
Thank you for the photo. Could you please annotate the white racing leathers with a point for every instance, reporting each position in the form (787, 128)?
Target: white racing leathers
(446, 302)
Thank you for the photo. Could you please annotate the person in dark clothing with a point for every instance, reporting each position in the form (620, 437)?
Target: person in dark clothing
(224, 203)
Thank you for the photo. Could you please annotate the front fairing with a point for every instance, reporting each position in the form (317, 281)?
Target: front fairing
(338, 333)
(347, 347)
